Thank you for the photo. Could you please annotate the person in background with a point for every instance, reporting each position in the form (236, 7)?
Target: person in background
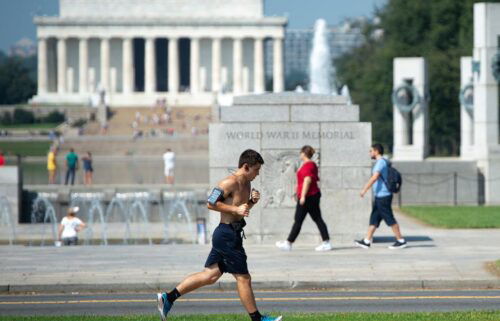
(382, 203)
(71, 166)
(308, 196)
(88, 170)
(169, 162)
(70, 226)
(52, 164)
(2, 159)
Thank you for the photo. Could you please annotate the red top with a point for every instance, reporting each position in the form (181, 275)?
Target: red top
(2, 160)
(308, 169)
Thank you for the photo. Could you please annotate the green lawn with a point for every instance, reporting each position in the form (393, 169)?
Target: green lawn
(452, 316)
(25, 148)
(32, 126)
(456, 216)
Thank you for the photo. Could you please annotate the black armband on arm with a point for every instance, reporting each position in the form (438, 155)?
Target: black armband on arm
(217, 195)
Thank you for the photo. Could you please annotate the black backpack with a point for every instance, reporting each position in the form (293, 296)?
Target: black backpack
(394, 179)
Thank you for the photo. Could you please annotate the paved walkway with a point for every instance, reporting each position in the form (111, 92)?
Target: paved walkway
(435, 259)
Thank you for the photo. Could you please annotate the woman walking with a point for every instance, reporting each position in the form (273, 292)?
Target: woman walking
(88, 170)
(308, 197)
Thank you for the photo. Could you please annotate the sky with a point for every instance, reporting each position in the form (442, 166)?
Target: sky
(16, 16)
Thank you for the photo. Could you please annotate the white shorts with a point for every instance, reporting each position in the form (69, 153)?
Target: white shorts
(169, 171)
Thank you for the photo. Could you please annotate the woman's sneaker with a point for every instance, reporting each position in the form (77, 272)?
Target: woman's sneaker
(398, 245)
(267, 318)
(362, 243)
(284, 245)
(325, 246)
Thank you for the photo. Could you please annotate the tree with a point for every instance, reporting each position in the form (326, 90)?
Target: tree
(440, 31)
(16, 80)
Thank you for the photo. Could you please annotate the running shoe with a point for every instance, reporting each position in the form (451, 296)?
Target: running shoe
(284, 245)
(268, 318)
(164, 305)
(323, 247)
(398, 245)
(363, 244)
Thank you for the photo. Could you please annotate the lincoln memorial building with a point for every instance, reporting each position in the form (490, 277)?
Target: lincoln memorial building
(137, 51)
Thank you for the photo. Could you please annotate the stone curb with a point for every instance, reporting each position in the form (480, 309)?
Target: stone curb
(273, 285)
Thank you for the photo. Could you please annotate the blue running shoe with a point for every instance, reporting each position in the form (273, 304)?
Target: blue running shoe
(164, 305)
(268, 318)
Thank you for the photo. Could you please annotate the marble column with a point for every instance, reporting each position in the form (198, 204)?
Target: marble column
(278, 77)
(42, 66)
(127, 66)
(237, 65)
(173, 65)
(258, 65)
(83, 66)
(61, 65)
(216, 64)
(149, 66)
(195, 66)
(105, 64)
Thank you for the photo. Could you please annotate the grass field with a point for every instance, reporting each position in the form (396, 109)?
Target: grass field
(456, 216)
(451, 316)
(494, 267)
(26, 148)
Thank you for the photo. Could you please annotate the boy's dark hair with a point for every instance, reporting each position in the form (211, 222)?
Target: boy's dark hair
(308, 151)
(379, 148)
(250, 157)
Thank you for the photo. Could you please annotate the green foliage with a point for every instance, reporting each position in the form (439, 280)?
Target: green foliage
(439, 30)
(22, 116)
(54, 117)
(26, 148)
(456, 217)
(17, 82)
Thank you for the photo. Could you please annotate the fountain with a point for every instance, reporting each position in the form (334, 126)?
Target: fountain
(320, 60)
(6, 218)
(91, 204)
(43, 212)
(133, 209)
(178, 207)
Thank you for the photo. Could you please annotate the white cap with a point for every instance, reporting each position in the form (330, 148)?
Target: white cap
(73, 209)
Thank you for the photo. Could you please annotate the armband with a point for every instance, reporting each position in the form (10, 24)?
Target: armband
(217, 195)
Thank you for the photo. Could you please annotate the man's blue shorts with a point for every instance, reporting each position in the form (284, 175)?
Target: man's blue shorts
(227, 250)
(382, 210)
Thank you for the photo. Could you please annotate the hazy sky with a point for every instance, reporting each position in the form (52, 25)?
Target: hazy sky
(16, 16)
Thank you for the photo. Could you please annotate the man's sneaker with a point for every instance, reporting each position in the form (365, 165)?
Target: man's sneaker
(284, 245)
(164, 305)
(363, 244)
(325, 246)
(398, 245)
(267, 318)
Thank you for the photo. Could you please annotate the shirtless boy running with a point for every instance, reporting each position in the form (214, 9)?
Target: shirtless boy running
(233, 198)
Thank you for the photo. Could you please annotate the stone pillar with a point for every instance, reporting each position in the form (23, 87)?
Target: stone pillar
(278, 77)
(128, 66)
(486, 102)
(42, 66)
(466, 116)
(61, 65)
(195, 66)
(216, 64)
(173, 65)
(105, 64)
(83, 81)
(258, 65)
(411, 131)
(149, 66)
(237, 66)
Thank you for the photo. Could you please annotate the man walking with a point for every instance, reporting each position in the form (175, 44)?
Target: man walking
(71, 166)
(233, 198)
(169, 166)
(382, 204)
